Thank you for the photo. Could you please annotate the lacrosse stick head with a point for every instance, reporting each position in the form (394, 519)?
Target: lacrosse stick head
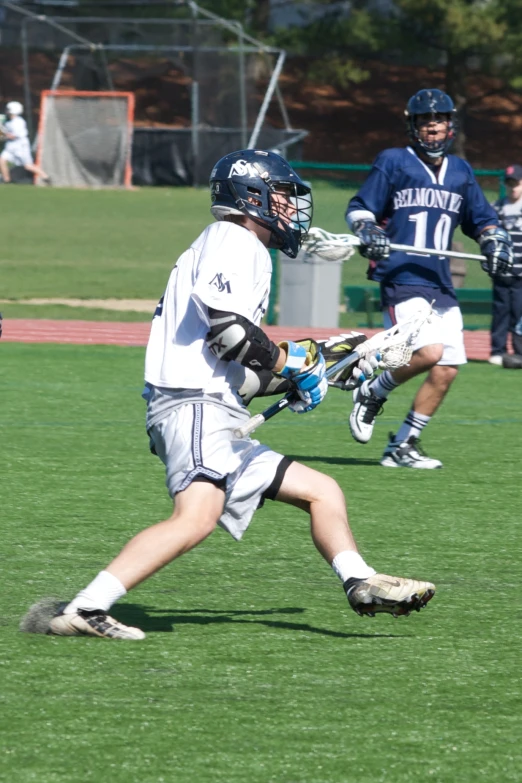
(395, 356)
(329, 247)
(396, 345)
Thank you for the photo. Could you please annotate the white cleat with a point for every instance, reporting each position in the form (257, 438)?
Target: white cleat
(366, 407)
(393, 595)
(407, 455)
(92, 623)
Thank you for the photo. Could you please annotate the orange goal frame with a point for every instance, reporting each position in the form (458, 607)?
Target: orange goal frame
(127, 179)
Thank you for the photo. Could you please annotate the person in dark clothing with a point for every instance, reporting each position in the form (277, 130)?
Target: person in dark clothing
(507, 289)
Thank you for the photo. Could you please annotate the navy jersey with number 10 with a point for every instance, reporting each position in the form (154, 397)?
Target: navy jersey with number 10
(421, 208)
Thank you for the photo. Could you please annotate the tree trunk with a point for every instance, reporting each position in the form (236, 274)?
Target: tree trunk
(456, 89)
(260, 16)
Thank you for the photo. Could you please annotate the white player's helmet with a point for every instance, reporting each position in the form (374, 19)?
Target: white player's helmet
(247, 182)
(14, 107)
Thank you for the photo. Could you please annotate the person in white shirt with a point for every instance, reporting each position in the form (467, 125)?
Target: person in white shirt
(204, 342)
(17, 150)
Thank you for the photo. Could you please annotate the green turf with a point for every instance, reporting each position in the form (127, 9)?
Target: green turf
(66, 313)
(101, 244)
(95, 244)
(255, 669)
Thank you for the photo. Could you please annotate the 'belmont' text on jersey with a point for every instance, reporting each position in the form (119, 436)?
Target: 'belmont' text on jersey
(427, 197)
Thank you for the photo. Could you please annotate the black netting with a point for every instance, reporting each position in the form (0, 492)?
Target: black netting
(193, 76)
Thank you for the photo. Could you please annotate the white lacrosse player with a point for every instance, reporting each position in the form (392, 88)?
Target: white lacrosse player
(417, 196)
(205, 336)
(17, 150)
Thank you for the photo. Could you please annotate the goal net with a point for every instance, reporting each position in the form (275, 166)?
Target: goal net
(84, 138)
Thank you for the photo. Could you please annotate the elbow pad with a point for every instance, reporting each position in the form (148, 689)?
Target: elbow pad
(262, 384)
(233, 337)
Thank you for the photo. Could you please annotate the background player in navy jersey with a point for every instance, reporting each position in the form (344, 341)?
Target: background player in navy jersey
(417, 196)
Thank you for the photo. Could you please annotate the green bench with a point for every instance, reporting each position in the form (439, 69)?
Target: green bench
(366, 299)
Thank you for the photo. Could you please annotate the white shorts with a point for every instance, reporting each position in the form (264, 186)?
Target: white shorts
(196, 441)
(18, 153)
(445, 327)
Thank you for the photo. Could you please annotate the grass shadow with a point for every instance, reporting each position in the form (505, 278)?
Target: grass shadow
(334, 460)
(153, 620)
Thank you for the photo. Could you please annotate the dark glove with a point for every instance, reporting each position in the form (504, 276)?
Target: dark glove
(336, 349)
(496, 245)
(374, 242)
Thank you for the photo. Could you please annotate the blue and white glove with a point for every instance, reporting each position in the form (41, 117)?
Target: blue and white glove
(374, 242)
(309, 383)
(497, 246)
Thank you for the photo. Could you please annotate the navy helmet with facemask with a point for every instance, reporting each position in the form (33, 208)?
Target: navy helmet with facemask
(263, 186)
(434, 102)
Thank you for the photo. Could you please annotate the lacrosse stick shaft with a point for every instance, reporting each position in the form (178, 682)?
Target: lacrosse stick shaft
(319, 235)
(260, 418)
(430, 251)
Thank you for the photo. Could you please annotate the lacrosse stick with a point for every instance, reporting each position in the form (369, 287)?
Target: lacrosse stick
(394, 345)
(340, 247)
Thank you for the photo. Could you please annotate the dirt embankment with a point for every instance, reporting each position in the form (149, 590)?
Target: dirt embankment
(348, 125)
(352, 125)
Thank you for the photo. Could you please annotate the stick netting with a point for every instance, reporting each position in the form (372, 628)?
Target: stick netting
(85, 140)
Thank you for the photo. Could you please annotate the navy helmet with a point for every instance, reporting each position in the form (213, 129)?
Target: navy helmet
(431, 102)
(247, 183)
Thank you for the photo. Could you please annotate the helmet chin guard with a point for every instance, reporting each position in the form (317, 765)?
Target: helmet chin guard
(431, 102)
(261, 185)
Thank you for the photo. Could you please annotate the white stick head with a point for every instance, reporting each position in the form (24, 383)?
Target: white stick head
(330, 247)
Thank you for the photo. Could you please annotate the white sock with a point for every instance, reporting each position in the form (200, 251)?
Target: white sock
(350, 564)
(413, 424)
(383, 384)
(102, 593)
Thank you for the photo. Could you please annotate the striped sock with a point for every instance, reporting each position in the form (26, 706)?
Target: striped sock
(413, 424)
(383, 384)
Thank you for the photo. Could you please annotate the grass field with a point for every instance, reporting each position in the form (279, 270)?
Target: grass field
(102, 244)
(255, 669)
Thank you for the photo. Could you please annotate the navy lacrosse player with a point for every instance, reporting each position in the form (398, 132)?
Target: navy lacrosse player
(205, 338)
(418, 195)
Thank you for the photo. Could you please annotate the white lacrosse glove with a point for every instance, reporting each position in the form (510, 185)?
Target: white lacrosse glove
(364, 369)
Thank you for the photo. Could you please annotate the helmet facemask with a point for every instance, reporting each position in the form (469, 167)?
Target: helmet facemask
(290, 209)
(419, 128)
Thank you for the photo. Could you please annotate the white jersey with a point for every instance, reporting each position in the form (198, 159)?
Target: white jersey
(17, 151)
(18, 127)
(226, 268)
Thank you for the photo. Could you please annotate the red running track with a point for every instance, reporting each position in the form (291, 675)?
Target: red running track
(21, 330)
